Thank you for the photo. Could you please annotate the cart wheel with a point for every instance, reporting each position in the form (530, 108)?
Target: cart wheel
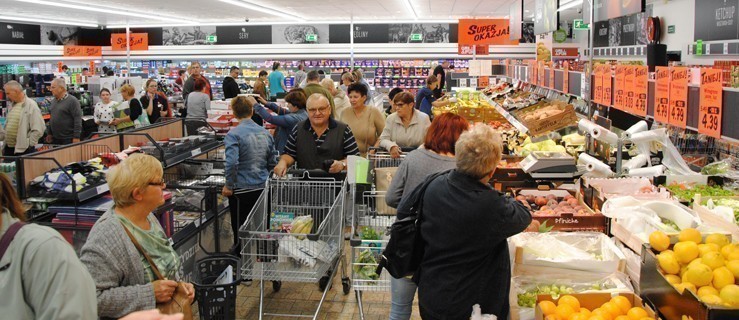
(323, 282)
(276, 286)
(346, 285)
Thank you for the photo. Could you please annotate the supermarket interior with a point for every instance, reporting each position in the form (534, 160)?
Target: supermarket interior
(369, 159)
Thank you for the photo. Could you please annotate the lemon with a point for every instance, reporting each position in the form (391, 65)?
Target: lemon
(694, 262)
(717, 239)
(711, 299)
(734, 255)
(622, 317)
(727, 249)
(668, 263)
(685, 285)
(707, 290)
(708, 247)
(580, 316)
(713, 260)
(686, 251)
(659, 241)
(722, 277)
(733, 265)
(585, 311)
(690, 234)
(730, 295)
(673, 279)
(699, 275)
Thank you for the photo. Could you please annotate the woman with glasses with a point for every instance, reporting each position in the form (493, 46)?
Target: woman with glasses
(154, 102)
(124, 280)
(406, 128)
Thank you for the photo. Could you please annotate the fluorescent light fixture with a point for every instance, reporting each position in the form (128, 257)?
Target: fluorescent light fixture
(255, 7)
(570, 5)
(410, 8)
(264, 23)
(109, 10)
(49, 21)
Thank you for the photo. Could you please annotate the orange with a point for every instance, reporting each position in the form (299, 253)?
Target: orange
(603, 313)
(564, 311)
(622, 317)
(623, 303)
(636, 313)
(547, 307)
(571, 301)
(553, 317)
(596, 317)
(580, 316)
(585, 311)
(612, 308)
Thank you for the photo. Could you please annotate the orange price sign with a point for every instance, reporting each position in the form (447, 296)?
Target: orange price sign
(629, 78)
(679, 97)
(711, 103)
(541, 73)
(483, 82)
(137, 41)
(566, 77)
(607, 85)
(551, 77)
(662, 95)
(618, 88)
(598, 84)
(641, 86)
(82, 51)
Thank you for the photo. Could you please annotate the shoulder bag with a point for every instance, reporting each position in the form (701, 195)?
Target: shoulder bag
(180, 302)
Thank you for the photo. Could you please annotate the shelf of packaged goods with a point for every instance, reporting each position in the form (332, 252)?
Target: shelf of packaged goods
(197, 225)
(401, 77)
(391, 87)
(178, 158)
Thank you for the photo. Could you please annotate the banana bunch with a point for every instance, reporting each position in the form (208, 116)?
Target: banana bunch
(302, 225)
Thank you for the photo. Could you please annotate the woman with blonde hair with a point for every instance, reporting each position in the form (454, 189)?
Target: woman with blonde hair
(341, 101)
(128, 112)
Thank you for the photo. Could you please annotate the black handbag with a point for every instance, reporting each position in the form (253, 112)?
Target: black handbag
(404, 251)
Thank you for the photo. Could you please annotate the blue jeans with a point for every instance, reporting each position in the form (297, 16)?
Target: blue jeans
(403, 291)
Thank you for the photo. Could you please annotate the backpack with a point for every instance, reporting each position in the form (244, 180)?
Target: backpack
(404, 251)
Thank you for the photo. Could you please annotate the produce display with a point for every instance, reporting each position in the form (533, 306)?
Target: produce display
(568, 307)
(551, 205)
(542, 113)
(720, 206)
(708, 268)
(685, 192)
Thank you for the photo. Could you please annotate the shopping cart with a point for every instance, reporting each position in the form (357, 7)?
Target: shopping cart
(276, 247)
(371, 219)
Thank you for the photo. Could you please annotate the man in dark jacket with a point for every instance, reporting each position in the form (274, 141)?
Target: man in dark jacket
(230, 87)
(465, 226)
(440, 73)
(195, 70)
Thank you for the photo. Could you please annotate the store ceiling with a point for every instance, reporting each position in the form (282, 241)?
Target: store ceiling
(169, 12)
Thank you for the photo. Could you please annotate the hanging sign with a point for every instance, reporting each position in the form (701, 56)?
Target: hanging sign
(679, 97)
(566, 77)
(619, 84)
(484, 32)
(138, 41)
(469, 50)
(598, 84)
(607, 85)
(711, 103)
(662, 95)
(629, 98)
(641, 87)
(83, 51)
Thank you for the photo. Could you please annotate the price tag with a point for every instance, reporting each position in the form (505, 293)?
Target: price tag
(679, 97)
(619, 87)
(607, 85)
(662, 95)
(711, 104)
(196, 152)
(102, 189)
(726, 48)
(598, 84)
(566, 77)
(641, 86)
(628, 94)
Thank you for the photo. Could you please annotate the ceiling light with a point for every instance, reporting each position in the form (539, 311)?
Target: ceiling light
(410, 8)
(570, 5)
(49, 21)
(110, 10)
(263, 9)
(269, 23)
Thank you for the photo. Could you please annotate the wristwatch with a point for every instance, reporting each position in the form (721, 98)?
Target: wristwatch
(343, 163)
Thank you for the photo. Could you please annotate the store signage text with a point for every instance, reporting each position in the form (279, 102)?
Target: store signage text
(83, 51)
(137, 41)
(725, 16)
(662, 94)
(679, 96)
(566, 52)
(711, 103)
(485, 31)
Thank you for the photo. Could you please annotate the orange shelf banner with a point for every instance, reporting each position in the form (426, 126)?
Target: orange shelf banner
(607, 85)
(566, 77)
(641, 87)
(629, 78)
(711, 103)
(83, 51)
(679, 97)
(484, 32)
(139, 41)
(469, 50)
(662, 95)
(598, 84)
(619, 85)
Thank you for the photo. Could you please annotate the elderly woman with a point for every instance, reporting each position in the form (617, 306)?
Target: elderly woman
(346, 79)
(127, 112)
(436, 155)
(461, 269)
(41, 277)
(285, 120)
(319, 142)
(341, 101)
(404, 129)
(198, 104)
(154, 102)
(250, 155)
(366, 122)
(425, 97)
(124, 280)
(390, 96)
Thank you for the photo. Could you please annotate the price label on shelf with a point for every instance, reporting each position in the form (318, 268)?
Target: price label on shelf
(618, 88)
(641, 86)
(662, 95)
(483, 82)
(711, 104)
(566, 77)
(196, 152)
(628, 94)
(679, 97)
(598, 84)
(102, 189)
(607, 85)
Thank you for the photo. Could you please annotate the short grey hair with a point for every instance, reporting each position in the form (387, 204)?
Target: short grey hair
(316, 98)
(12, 84)
(478, 151)
(328, 84)
(59, 82)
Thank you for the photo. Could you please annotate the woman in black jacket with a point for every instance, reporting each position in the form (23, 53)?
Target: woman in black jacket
(465, 227)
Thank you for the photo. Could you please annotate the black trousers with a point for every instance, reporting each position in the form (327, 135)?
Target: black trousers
(240, 205)
(10, 151)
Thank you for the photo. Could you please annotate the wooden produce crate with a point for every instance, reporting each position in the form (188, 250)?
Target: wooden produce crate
(591, 301)
(567, 222)
(668, 302)
(553, 123)
(471, 114)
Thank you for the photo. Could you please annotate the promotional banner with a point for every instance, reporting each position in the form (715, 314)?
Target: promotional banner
(601, 30)
(619, 86)
(468, 50)
(371, 33)
(246, 34)
(598, 84)
(544, 46)
(566, 52)
(711, 103)
(15, 33)
(59, 35)
(629, 98)
(716, 20)
(188, 36)
(679, 96)
(485, 32)
(628, 30)
(641, 87)
(138, 41)
(566, 77)
(607, 85)
(662, 95)
(83, 51)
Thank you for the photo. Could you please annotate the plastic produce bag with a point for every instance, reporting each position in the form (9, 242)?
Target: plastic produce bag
(586, 251)
(477, 314)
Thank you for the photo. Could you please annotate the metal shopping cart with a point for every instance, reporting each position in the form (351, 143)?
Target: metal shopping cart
(371, 218)
(279, 245)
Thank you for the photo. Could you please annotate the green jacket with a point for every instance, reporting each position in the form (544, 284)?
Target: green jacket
(312, 88)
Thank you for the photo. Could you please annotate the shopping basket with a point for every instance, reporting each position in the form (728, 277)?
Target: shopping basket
(216, 281)
(275, 247)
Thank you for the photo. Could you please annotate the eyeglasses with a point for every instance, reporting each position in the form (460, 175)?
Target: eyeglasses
(321, 110)
(153, 86)
(160, 183)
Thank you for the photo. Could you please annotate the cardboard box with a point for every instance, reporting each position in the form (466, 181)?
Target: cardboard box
(539, 127)
(568, 222)
(592, 301)
(521, 265)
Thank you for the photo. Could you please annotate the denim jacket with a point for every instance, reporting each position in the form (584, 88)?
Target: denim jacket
(283, 120)
(250, 156)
